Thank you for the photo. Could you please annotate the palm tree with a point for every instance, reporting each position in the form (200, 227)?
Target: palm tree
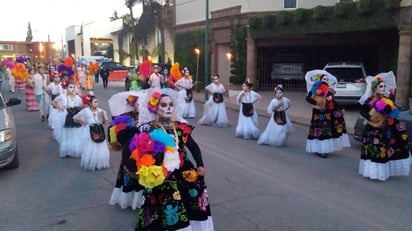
(130, 4)
(157, 12)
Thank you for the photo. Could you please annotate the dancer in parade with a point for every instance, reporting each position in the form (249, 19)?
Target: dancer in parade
(279, 126)
(127, 191)
(66, 131)
(54, 89)
(185, 85)
(327, 132)
(156, 79)
(40, 82)
(177, 198)
(31, 103)
(385, 151)
(95, 152)
(247, 124)
(214, 113)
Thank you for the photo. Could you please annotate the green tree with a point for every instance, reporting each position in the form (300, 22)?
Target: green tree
(29, 36)
(238, 47)
(156, 14)
(130, 4)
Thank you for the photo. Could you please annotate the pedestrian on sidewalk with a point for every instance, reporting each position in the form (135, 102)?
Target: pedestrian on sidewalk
(104, 73)
(279, 126)
(214, 110)
(325, 133)
(247, 124)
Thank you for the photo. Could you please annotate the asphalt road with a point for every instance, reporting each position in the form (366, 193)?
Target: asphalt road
(251, 187)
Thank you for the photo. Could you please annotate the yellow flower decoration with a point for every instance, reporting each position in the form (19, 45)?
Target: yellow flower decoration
(190, 175)
(176, 196)
(383, 152)
(151, 177)
(404, 136)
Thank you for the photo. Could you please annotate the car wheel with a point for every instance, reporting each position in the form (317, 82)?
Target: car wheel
(15, 163)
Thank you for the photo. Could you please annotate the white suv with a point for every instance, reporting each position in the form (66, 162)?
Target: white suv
(351, 80)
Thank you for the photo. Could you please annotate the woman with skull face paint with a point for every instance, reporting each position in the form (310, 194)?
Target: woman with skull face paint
(185, 85)
(54, 89)
(323, 138)
(214, 109)
(95, 155)
(247, 124)
(176, 199)
(67, 131)
(279, 126)
(385, 151)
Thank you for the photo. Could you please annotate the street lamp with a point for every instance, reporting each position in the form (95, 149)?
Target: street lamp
(229, 58)
(197, 51)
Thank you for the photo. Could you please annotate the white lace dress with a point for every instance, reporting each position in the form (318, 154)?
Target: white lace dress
(276, 134)
(95, 156)
(247, 126)
(184, 84)
(70, 139)
(214, 114)
(56, 90)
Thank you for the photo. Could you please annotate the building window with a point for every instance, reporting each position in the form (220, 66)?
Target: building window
(6, 47)
(289, 4)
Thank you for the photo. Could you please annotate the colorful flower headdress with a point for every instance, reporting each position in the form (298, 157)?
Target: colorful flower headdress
(148, 101)
(278, 87)
(376, 82)
(131, 100)
(119, 123)
(153, 102)
(86, 98)
(316, 77)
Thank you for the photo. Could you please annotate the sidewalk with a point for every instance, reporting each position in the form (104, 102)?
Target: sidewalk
(300, 111)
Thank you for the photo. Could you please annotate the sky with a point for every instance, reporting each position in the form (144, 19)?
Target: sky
(51, 17)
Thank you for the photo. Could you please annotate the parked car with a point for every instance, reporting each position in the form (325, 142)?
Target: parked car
(287, 71)
(113, 66)
(9, 157)
(405, 116)
(351, 80)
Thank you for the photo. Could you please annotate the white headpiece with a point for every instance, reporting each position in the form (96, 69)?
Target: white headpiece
(145, 115)
(315, 75)
(388, 78)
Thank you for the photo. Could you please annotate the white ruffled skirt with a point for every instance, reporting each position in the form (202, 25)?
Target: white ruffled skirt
(382, 171)
(327, 146)
(214, 114)
(275, 134)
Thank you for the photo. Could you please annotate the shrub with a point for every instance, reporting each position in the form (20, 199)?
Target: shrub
(364, 6)
(283, 18)
(319, 13)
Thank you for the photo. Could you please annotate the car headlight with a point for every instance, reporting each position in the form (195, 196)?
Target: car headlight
(6, 135)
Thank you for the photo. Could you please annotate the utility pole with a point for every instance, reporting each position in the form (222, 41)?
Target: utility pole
(207, 48)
